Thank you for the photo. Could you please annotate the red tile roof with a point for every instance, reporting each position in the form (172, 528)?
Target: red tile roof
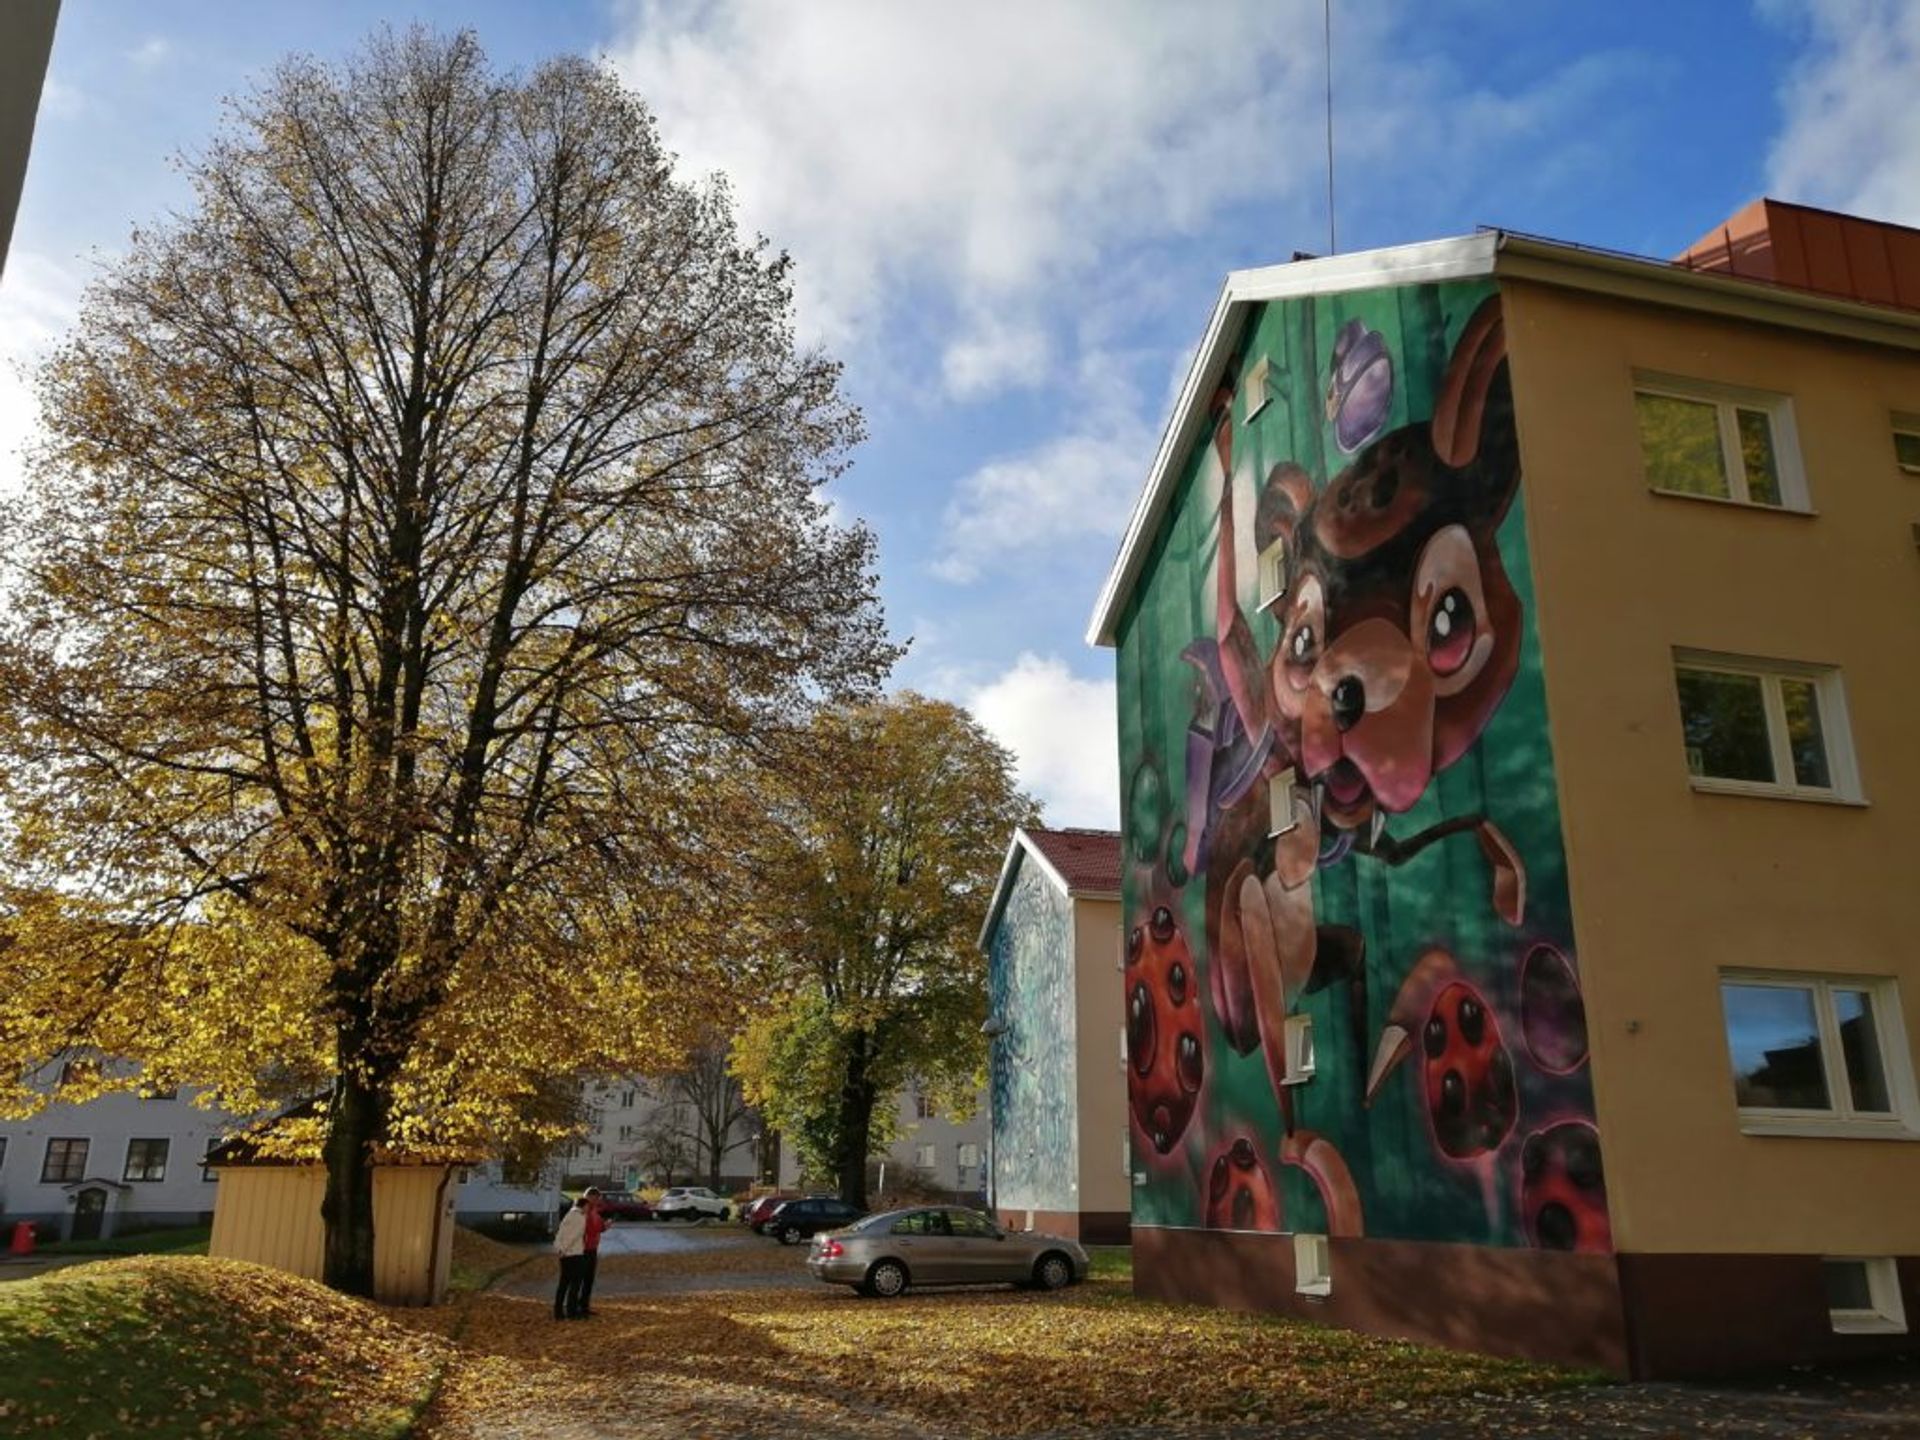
(1088, 860)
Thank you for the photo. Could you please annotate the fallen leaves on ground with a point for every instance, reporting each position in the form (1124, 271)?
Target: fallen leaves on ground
(976, 1363)
(178, 1346)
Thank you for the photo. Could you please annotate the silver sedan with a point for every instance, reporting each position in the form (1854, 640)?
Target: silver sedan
(941, 1245)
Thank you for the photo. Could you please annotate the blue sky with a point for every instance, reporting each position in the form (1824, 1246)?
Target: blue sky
(1011, 219)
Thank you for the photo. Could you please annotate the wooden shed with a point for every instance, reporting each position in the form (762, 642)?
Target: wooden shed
(267, 1210)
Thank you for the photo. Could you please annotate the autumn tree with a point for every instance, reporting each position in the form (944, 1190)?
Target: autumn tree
(425, 543)
(708, 1094)
(882, 858)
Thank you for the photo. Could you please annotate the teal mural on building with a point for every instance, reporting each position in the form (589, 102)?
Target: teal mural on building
(1031, 991)
(1353, 995)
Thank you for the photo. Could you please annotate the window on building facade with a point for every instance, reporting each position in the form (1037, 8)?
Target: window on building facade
(924, 1108)
(1257, 388)
(1765, 726)
(66, 1161)
(79, 1072)
(926, 1157)
(1864, 1295)
(969, 1156)
(1299, 1041)
(1312, 1265)
(3, 1151)
(1906, 443)
(146, 1160)
(1817, 1050)
(626, 1099)
(1718, 443)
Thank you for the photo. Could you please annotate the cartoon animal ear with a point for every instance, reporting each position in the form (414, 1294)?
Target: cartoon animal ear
(1473, 428)
(1283, 500)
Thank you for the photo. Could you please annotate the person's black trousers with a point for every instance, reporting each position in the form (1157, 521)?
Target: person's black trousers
(567, 1300)
(589, 1266)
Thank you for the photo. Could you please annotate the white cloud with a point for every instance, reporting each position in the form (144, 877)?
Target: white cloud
(1064, 734)
(38, 301)
(1851, 137)
(151, 53)
(988, 149)
(993, 353)
(1076, 486)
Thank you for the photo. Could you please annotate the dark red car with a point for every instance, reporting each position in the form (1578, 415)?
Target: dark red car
(758, 1212)
(624, 1205)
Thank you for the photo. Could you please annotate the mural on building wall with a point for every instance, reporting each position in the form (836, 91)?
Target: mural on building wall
(1353, 997)
(1035, 1119)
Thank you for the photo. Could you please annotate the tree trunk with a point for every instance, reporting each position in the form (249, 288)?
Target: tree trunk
(856, 1125)
(347, 1209)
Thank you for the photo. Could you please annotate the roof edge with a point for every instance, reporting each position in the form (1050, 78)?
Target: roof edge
(1023, 843)
(1459, 257)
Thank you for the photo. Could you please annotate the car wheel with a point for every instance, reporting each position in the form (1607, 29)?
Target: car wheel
(725, 1213)
(788, 1235)
(887, 1279)
(1053, 1271)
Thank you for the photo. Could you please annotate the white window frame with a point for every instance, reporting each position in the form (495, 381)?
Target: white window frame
(1887, 1312)
(1256, 389)
(1312, 1266)
(1298, 1031)
(1908, 425)
(1726, 399)
(46, 1159)
(1272, 566)
(1836, 727)
(926, 1157)
(1841, 1121)
(127, 1176)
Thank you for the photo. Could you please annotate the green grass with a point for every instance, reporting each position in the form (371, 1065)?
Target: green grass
(188, 1239)
(177, 1347)
(1110, 1262)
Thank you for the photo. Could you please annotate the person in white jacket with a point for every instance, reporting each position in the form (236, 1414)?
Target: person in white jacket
(570, 1244)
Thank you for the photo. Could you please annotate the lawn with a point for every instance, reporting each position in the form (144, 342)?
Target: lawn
(176, 1347)
(728, 1362)
(183, 1240)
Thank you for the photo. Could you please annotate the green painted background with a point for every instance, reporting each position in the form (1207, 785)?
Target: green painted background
(1408, 1188)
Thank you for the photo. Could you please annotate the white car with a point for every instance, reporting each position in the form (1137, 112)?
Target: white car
(691, 1202)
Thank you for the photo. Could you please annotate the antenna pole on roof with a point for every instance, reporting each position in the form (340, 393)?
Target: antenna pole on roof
(1333, 234)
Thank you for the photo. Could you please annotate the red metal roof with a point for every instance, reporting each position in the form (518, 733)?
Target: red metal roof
(1088, 860)
(1818, 250)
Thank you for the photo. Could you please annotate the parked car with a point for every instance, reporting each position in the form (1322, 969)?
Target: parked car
(691, 1202)
(624, 1205)
(760, 1210)
(799, 1220)
(942, 1245)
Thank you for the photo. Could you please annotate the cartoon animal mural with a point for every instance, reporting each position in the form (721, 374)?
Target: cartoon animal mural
(1362, 836)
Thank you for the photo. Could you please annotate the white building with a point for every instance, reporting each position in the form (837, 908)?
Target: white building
(118, 1162)
(930, 1151)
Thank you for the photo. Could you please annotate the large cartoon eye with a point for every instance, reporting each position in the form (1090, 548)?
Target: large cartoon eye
(1162, 924)
(1472, 1021)
(1450, 632)
(1140, 1029)
(1305, 635)
(1435, 1038)
(1450, 610)
(1187, 1064)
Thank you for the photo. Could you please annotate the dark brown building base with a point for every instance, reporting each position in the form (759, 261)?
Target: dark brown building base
(1535, 1304)
(1089, 1227)
(1644, 1316)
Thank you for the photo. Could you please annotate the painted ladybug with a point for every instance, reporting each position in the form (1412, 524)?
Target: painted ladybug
(1470, 1090)
(1563, 1193)
(1240, 1192)
(1165, 1064)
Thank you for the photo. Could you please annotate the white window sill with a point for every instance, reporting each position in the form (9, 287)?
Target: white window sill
(1754, 790)
(1316, 1290)
(1804, 511)
(1828, 1129)
(1868, 1325)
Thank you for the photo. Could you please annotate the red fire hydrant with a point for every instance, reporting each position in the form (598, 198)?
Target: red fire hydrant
(22, 1243)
